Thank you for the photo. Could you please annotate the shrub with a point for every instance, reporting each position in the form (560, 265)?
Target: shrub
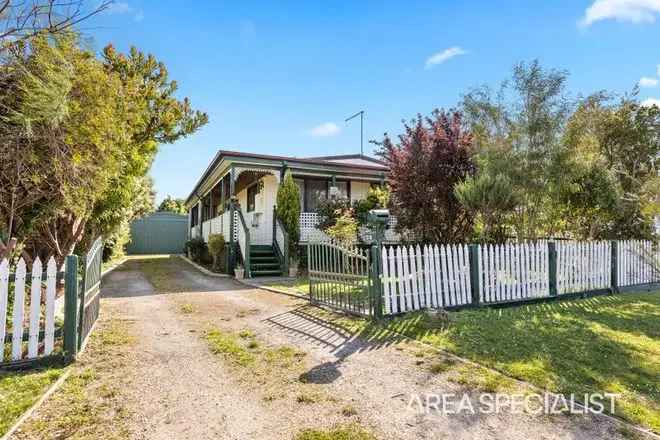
(345, 228)
(288, 210)
(330, 210)
(217, 249)
(378, 197)
(197, 248)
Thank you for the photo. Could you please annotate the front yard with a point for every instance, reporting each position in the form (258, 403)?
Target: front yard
(602, 344)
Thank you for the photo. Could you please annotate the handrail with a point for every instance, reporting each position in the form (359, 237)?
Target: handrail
(246, 251)
(284, 252)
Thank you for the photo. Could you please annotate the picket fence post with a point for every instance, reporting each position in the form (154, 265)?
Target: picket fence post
(70, 306)
(375, 273)
(614, 266)
(473, 256)
(552, 268)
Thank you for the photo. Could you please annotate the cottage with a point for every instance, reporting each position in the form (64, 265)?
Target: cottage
(251, 182)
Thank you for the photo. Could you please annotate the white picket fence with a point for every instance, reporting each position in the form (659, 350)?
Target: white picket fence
(39, 315)
(419, 277)
(637, 262)
(510, 272)
(583, 266)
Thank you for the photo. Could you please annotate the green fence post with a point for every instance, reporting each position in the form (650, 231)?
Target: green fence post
(70, 306)
(615, 266)
(377, 292)
(552, 268)
(473, 256)
(81, 309)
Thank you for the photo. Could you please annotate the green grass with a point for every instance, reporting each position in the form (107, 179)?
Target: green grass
(299, 286)
(20, 390)
(348, 432)
(602, 344)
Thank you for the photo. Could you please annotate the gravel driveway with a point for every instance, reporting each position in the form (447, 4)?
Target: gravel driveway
(181, 390)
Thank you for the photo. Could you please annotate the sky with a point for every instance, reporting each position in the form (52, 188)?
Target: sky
(280, 77)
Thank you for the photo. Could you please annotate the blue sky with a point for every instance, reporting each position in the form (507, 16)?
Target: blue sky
(280, 77)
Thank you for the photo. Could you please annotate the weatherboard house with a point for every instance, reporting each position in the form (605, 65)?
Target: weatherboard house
(236, 196)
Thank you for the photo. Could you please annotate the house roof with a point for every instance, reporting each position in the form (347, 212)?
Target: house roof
(350, 162)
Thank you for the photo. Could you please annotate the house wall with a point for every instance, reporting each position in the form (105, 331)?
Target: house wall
(359, 190)
(264, 202)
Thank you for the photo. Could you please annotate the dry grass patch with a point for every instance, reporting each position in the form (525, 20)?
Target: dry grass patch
(90, 404)
(347, 432)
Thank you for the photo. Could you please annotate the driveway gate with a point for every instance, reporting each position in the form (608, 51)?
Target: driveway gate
(342, 278)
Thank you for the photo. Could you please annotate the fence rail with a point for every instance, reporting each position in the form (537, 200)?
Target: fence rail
(449, 276)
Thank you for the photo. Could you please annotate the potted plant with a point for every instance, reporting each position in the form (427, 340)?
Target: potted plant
(239, 272)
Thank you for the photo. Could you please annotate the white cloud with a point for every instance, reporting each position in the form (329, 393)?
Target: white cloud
(441, 57)
(125, 8)
(633, 11)
(325, 130)
(650, 102)
(645, 81)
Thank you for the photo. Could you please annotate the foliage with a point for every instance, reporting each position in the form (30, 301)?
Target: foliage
(517, 133)
(329, 210)
(492, 199)
(170, 204)
(378, 197)
(615, 147)
(432, 156)
(345, 228)
(81, 134)
(197, 249)
(288, 210)
(216, 249)
(21, 20)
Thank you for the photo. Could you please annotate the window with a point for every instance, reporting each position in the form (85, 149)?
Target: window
(343, 189)
(315, 192)
(252, 197)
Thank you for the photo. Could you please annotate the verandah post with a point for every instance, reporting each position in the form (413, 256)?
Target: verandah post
(473, 256)
(377, 291)
(552, 268)
(614, 266)
(70, 306)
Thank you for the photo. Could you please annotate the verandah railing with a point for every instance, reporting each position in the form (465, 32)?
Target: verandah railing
(450, 276)
(31, 326)
(280, 242)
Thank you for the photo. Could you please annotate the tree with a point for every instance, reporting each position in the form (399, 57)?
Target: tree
(518, 133)
(87, 131)
(492, 200)
(21, 20)
(615, 143)
(288, 210)
(432, 156)
(169, 204)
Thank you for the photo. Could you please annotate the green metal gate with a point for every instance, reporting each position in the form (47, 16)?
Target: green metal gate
(342, 278)
(158, 233)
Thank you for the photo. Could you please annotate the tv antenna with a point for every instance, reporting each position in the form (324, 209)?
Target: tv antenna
(361, 114)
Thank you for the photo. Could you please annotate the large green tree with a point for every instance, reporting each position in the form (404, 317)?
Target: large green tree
(518, 131)
(87, 130)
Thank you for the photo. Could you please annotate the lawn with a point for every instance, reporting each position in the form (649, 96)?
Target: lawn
(298, 286)
(602, 344)
(20, 390)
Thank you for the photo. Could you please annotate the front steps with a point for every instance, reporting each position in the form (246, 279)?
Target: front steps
(264, 262)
